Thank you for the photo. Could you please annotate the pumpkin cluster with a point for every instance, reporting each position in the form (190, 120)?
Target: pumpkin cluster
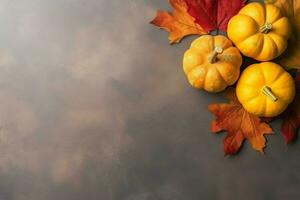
(266, 34)
(259, 31)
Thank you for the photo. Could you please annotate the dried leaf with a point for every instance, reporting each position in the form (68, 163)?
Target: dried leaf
(239, 124)
(291, 117)
(291, 57)
(179, 23)
(214, 14)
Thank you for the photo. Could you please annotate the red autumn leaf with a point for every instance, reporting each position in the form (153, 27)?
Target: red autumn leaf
(239, 124)
(214, 14)
(179, 23)
(291, 117)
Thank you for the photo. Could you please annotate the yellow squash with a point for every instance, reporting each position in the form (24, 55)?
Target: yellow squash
(260, 31)
(212, 63)
(265, 89)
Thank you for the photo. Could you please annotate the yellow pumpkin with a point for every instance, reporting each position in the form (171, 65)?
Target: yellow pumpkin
(265, 89)
(260, 31)
(212, 63)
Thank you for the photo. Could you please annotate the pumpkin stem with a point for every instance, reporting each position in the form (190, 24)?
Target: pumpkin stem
(268, 92)
(266, 28)
(215, 53)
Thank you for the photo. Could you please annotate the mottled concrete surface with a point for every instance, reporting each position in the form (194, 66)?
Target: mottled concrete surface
(95, 106)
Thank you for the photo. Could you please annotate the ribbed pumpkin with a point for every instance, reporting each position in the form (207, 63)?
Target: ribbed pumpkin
(260, 31)
(212, 63)
(265, 89)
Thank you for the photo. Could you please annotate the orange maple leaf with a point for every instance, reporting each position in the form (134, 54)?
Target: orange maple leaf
(239, 124)
(179, 23)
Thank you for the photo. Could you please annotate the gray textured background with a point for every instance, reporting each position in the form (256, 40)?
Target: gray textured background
(94, 105)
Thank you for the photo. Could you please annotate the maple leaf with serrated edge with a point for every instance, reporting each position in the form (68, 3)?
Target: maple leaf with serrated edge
(239, 124)
(291, 8)
(291, 117)
(214, 14)
(179, 23)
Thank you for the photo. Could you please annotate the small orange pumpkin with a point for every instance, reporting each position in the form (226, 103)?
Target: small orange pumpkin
(212, 63)
(260, 31)
(265, 89)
